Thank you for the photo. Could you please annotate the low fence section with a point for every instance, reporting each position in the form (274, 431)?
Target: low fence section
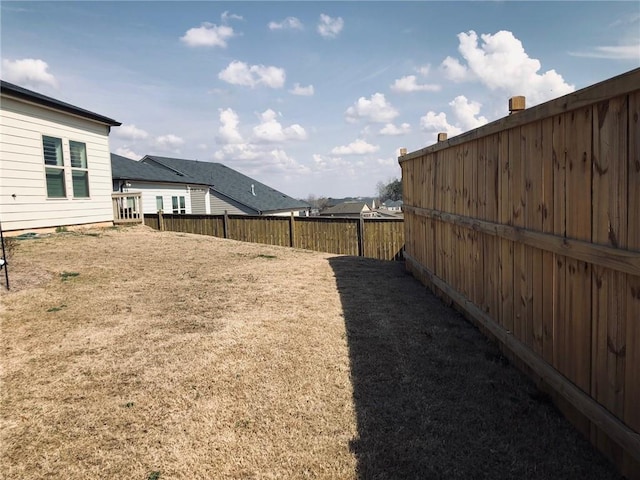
(380, 238)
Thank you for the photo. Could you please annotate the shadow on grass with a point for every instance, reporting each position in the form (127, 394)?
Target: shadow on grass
(434, 399)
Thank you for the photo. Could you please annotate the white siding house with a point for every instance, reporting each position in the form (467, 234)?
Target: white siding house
(160, 189)
(54, 163)
(229, 190)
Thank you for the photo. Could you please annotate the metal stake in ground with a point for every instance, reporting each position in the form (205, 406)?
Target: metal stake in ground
(3, 261)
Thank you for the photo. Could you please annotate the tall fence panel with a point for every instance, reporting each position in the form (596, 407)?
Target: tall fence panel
(374, 238)
(531, 225)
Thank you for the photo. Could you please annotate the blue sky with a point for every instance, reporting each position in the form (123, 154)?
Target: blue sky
(309, 97)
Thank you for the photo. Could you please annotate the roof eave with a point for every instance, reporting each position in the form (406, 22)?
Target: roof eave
(53, 104)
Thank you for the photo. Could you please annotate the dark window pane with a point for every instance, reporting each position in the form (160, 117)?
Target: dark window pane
(55, 183)
(52, 148)
(80, 183)
(78, 153)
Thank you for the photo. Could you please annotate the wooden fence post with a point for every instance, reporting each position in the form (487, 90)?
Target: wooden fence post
(292, 231)
(361, 237)
(516, 104)
(225, 224)
(442, 137)
(160, 221)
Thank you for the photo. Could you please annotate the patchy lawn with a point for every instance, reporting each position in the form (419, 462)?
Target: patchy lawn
(155, 355)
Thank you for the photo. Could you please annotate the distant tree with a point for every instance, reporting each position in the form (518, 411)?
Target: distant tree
(317, 202)
(392, 190)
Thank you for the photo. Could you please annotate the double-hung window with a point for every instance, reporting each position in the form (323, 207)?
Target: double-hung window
(178, 204)
(54, 167)
(79, 169)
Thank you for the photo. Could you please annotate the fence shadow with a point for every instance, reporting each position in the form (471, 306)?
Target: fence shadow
(434, 399)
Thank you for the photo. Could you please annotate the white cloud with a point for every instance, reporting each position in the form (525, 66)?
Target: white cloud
(324, 163)
(466, 112)
(270, 130)
(226, 16)
(501, 63)
(424, 71)
(253, 159)
(130, 132)
(127, 152)
(357, 147)
(29, 72)
(393, 130)
(228, 131)
(297, 89)
(330, 27)
(454, 70)
(237, 151)
(620, 52)
(376, 109)
(208, 35)
(240, 73)
(289, 23)
(437, 123)
(410, 83)
(169, 142)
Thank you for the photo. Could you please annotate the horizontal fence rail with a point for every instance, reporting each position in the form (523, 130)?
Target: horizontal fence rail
(382, 239)
(531, 226)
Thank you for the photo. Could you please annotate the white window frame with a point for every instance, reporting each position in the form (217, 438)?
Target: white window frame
(58, 166)
(178, 204)
(66, 165)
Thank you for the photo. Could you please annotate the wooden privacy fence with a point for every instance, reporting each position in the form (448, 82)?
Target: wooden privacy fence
(531, 225)
(379, 238)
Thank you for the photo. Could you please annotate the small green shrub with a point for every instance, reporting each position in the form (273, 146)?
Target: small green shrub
(154, 476)
(61, 229)
(56, 309)
(67, 275)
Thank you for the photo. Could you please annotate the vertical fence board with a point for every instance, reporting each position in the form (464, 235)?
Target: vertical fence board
(547, 214)
(559, 153)
(609, 227)
(506, 246)
(533, 221)
(578, 223)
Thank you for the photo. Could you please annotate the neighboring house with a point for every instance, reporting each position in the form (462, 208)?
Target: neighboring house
(392, 205)
(229, 190)
(161, 189)
(370, 201)
(55, 168)
(349, 209)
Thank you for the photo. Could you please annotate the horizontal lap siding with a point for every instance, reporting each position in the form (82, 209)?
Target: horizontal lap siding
(575, 175)
(23, 197)
(152, 190)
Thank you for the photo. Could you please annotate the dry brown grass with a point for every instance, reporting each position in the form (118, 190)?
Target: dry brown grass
(180, 356)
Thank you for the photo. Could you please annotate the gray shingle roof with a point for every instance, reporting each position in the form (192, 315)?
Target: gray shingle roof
(123, 168)
(22, 93)
(345, 208)
(231, 184)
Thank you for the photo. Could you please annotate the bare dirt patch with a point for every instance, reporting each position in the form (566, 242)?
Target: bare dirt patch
(140, 354)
